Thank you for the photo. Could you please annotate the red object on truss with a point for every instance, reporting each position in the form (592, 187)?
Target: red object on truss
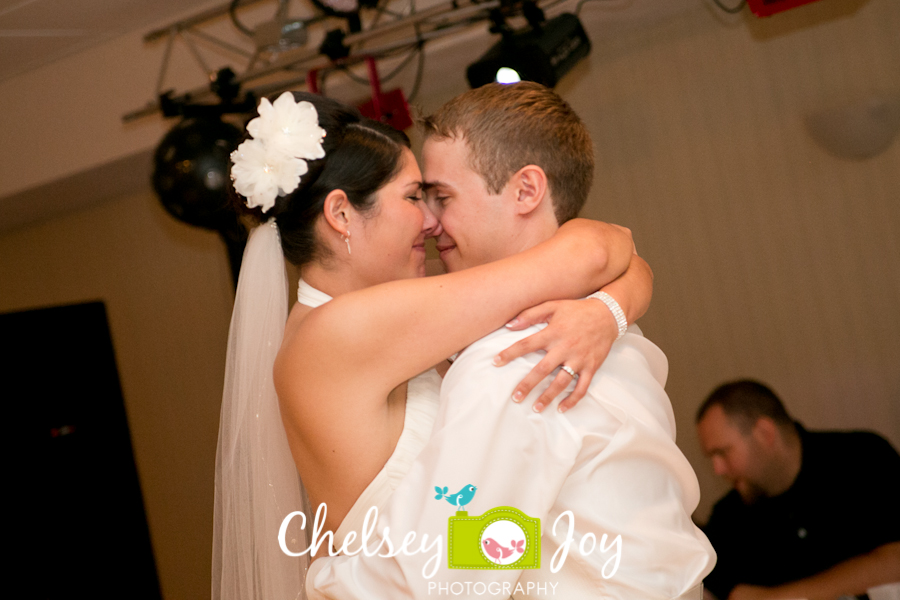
(387, 107)
(766, 8)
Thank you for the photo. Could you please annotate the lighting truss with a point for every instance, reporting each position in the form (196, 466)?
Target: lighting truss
(263, 73)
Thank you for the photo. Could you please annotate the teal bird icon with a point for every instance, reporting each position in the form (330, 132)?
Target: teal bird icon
(459, 499)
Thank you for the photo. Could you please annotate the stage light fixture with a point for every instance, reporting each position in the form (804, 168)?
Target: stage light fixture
(190, 173)
(190, 176)
(191, 163)
(507, 75)
(280, 35)
(544, 52)
(345, 9)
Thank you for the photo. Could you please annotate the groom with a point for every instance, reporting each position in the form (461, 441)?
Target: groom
(504, 166)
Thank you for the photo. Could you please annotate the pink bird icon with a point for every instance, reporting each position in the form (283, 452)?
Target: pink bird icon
(498, 552)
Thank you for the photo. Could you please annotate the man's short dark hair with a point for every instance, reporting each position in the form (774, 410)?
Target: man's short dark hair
(744, 402)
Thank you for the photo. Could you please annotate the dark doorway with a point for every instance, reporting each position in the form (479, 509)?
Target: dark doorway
(78, 522)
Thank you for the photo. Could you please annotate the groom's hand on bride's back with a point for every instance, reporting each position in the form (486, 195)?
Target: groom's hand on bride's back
(578, 336)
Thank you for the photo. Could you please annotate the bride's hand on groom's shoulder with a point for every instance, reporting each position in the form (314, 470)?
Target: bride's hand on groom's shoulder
(578, 336)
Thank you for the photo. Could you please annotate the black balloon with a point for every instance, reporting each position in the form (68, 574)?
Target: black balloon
(190, 172)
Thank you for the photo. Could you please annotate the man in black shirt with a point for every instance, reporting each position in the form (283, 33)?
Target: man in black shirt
(812, 514)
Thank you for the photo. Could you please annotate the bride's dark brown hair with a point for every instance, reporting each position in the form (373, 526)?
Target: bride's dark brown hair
(361, 156)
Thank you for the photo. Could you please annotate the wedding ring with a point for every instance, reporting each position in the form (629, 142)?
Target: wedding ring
(569, 371)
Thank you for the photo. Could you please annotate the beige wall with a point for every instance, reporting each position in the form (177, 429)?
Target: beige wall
(772, 258)
(167, 289)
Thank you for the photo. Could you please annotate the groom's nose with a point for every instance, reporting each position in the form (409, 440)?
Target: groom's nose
(431, 226)
(437, 230)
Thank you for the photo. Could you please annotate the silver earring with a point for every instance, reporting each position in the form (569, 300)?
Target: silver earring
(346, 238)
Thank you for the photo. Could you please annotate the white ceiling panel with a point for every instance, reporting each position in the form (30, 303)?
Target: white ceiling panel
(36, 32)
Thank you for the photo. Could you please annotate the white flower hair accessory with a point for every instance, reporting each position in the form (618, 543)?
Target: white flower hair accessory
(285, 135)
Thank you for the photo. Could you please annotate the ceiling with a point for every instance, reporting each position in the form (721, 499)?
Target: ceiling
(36, 32)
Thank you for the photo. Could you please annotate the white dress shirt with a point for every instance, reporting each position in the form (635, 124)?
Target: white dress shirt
(611, 463)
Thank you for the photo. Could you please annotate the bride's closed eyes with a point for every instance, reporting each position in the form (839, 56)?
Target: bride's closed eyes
(414, 192)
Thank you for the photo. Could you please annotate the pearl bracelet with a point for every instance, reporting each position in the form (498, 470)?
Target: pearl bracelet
(615, 309)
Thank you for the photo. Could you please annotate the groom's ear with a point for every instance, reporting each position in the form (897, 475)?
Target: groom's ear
(338, 210)
(530, 187)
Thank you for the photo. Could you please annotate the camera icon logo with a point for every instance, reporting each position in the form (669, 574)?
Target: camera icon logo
(501, 538)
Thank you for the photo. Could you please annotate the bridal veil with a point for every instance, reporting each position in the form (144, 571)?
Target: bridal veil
(257, 484)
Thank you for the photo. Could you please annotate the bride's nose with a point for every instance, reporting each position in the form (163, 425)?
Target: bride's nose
(431, 226)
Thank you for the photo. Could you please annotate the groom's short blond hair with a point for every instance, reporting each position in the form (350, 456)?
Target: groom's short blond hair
(507, 127)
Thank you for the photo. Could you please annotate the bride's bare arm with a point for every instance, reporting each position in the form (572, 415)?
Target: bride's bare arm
(381, 336)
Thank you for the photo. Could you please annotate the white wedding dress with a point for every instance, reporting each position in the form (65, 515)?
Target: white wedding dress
(256, 483)
(422, 396)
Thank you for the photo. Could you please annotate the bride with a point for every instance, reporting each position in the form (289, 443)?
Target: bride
(352, 363)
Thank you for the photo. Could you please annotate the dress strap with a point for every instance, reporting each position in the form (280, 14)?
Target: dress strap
(310, 296)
